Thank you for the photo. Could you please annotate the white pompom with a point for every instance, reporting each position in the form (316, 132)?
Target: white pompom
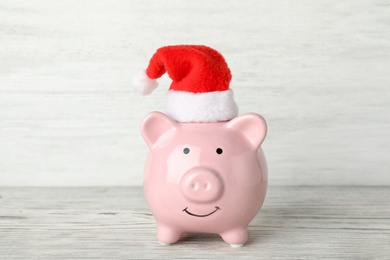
(143, 84)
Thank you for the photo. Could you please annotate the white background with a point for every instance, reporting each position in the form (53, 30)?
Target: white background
(318, 71)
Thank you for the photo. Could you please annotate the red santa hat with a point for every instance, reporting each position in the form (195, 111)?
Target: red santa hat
(200, 83)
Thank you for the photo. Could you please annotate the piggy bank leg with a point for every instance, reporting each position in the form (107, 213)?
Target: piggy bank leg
(235, 237)
(167, 235)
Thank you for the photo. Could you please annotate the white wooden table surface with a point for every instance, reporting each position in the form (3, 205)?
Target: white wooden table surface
(331, 222)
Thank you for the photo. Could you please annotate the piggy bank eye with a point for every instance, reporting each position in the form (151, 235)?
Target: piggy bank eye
(186, 150)
(219, 151)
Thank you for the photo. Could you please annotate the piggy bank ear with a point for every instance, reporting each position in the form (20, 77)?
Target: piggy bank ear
(252, 126)
(154, 126)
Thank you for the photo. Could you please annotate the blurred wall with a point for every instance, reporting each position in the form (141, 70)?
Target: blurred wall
(318, 71)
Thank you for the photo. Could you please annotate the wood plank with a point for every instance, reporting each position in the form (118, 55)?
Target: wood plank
(115, 223)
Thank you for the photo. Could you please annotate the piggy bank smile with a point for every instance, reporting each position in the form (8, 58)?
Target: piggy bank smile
(201, 216)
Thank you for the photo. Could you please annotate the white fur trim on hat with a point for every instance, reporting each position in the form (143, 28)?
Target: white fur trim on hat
(201, 107)
(143, 84)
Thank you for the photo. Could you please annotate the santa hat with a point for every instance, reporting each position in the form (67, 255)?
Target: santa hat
(200, 83)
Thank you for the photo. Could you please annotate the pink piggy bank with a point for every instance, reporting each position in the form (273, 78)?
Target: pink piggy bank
(205, 177)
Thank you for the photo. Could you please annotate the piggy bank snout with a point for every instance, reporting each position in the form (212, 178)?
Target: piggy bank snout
(201, 185)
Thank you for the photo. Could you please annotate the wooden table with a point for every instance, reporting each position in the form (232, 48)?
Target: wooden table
(115, 223)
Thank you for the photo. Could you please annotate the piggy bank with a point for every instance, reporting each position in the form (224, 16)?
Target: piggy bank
(204, 177)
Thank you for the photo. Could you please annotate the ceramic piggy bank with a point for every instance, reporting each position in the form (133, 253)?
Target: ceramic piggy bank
(204, 177)
(205, 171)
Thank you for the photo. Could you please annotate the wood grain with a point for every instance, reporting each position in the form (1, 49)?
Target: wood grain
(318, 71)
(115, 223)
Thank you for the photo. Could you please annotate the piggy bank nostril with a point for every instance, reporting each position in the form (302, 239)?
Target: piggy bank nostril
(206, 186)
(194, 186)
